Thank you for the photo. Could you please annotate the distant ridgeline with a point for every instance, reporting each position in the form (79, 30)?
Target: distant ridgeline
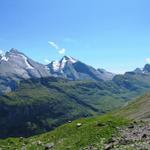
(15, 66)
(36, 98)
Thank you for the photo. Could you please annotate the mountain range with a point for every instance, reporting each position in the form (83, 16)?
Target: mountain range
(73, 69)
(36, 98)
(15, 66)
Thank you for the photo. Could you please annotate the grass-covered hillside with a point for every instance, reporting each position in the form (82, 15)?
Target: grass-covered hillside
(139, 109)
(40, 105)
(113, 131)
(79, 135)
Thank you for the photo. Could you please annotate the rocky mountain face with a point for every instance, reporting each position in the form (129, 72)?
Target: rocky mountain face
(145, 70)
(73, 69)
(15, 66)
(105, 75)
(133, 80)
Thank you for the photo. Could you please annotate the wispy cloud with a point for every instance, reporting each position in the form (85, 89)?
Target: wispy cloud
(53, 44)
(147, 60)
(62, 51)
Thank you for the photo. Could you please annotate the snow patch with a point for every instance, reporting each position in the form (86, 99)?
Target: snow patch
(26, 62)
(56, 65)
(66, 59)
(63, 62)
(72, 59)
(4, 58)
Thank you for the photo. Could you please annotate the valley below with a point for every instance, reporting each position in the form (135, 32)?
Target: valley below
(71, 105)
(113, 131)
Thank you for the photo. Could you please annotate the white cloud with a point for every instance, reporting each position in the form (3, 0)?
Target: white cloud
(54, 45)
(147, 60)
(47, 61)
(62, 51)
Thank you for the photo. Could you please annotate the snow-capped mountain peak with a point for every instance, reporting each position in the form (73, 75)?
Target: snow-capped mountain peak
(66, 59)
(16, 57)
(58, 66)
(55, 65)
(69, 59)
(18, 66)
(3, 57)
(63, 62)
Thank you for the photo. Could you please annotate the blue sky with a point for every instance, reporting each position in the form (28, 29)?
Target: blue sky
(110, 34)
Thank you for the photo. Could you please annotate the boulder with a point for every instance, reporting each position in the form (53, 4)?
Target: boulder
(79, 125)
(49, 146)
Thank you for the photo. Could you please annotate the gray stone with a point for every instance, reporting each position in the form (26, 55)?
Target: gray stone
(79, 125)
(49, 146)
(108, 146)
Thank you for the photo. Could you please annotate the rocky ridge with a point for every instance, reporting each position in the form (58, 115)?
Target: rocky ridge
(16, 66)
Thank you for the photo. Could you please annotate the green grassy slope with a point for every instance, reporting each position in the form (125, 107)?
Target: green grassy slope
(94, 132)
(40, 105)
(139, 109)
